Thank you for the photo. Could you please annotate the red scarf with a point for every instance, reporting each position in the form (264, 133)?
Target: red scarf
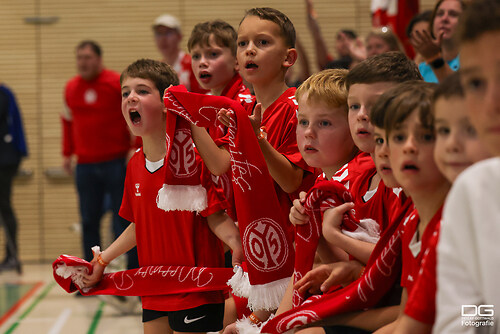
(144, 281)
(182, 189)
(382, 270)
(324, 195)
(268, 249)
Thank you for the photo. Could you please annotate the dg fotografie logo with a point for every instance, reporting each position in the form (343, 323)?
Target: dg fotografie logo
(478, 315)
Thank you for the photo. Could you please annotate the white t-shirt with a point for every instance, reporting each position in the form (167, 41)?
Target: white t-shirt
(469, 252)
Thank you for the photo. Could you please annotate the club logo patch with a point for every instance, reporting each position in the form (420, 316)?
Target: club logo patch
(264, 244)
(90, 96)
(182, 157)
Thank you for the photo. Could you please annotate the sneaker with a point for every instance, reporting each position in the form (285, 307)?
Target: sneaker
(124, 304)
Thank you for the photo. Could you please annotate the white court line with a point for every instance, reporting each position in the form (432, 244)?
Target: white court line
(63, 317)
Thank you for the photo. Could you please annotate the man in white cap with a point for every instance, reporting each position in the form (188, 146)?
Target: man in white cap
(168, 36)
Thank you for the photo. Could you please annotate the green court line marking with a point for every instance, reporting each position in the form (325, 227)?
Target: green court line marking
(31, 307)
(97, 318)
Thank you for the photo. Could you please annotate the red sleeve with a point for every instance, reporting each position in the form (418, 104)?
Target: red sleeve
(126, 206)
(67, 138)
(421, 304)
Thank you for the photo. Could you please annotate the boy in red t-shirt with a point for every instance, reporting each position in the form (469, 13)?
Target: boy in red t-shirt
(409, 127)
(266, 40)
(212, 45)
(323, 139)
(457, 147)
(265, 51)
(167, 237)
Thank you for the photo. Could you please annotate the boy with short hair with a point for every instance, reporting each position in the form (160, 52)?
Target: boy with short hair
(365, 83)
(182, 236)
(457, 147)
(266, 40)
(372, 198)
(325, 143)
(266, 50)
(468, 245)
(212, 45)
(409, 126)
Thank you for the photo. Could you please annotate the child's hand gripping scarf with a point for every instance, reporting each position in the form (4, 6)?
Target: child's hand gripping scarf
(323, 196)
(267, 247)
(144, 281)
(382, 270)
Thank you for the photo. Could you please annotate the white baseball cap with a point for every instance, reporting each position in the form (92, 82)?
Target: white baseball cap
(168, 21)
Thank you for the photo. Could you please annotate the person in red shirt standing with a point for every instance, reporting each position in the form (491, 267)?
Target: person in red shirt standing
(95, 133)
(168, 36)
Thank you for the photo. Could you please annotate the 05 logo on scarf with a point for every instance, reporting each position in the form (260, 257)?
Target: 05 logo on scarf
(264, 245)
(182, 157)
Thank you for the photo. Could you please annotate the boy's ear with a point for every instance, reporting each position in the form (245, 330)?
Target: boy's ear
(236, 65)
(291, 57)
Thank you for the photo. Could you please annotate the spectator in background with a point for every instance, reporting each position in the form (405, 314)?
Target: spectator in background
(168, 36)
(438, 46)
(419, 22)
(12, 149)
(378, 41)
(95, 132)
(344, 42)
(381, 40)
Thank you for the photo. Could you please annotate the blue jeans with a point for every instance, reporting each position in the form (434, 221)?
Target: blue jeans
(100, 187)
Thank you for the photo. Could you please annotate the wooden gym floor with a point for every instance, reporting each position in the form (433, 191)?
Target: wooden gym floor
(32, 303)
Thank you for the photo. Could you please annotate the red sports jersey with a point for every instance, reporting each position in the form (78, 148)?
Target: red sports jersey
(237, 90)
(384, 206)
(93, 125)
(414, 249)
(354, 168)
(173, 237)
(421, 304)
(186, 75)
(381, 204)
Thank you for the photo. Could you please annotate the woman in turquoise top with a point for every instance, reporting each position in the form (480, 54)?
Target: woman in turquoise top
(439, 47)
